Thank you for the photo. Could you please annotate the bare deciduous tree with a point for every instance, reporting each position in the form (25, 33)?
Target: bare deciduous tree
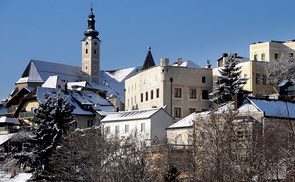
(279, 70)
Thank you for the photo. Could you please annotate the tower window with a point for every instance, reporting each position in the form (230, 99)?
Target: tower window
(86, 51)
(94, 51)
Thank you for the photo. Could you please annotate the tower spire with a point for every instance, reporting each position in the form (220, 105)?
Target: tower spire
(149, 60)
(91, 32)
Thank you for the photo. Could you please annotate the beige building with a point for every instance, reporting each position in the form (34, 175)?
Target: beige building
(181, 88)
(253, 71)
(272, 50)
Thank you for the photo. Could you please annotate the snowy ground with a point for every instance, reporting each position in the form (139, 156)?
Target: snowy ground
(21, 177)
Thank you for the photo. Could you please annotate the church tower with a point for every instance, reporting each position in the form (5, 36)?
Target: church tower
(91, 52)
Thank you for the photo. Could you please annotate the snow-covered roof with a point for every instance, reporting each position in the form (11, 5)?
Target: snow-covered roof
(286, 81)
(274, 108)
(121, 74)
(39, 71)
(78, 98)
(52, 82)
(187, 64)
(114, 81)
(131, 115)
(4, 138)
(6, 120)
(184, 123)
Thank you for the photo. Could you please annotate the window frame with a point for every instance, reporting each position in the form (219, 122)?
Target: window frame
(177, 112)
(178, 92)
(192, 95)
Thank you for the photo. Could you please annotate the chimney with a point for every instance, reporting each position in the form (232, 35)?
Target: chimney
(179, 61)
(164, 62)
(65, 86)
(224, 58)
(239, 98)
(208, 65)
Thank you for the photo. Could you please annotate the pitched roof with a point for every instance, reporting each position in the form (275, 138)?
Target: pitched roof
(184, 123)
(284, 82)
(131, 115)
(274, 108)
(39, 71)
(187, 64)
(149, 60)
(78, 99)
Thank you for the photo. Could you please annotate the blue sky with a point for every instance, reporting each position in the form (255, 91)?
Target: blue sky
(196, 30)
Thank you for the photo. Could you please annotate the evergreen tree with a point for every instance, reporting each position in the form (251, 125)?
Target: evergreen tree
(229, 82)
(53, 119)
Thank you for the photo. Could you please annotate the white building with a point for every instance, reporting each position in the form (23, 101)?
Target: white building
(147, 125)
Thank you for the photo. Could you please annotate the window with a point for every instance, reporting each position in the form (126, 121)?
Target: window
(177, 92)
(245, 75)
(86, 51)
(205, 94)
(142, 127)
(158, 93)
(90, 123)
(276, 56)
(146, 96)
(191, 110)
(255, 57)
(107, 129)
(192, 93)
(141, 97)
(257, 78)
(94, 51)
(127, 128)
(264, 79)
(152, 94)
(263, 57)
(290, 55)
(177, 112)
(117, 129)
(203, 79)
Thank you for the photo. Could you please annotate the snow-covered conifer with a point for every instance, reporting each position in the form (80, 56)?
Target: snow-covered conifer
(53, 117)
(229, 81)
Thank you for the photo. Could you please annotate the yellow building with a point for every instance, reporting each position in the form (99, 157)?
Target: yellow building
(253, 71)
(272, 50)
(181, 88)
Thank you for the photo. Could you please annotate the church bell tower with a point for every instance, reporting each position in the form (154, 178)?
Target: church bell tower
(91, 52)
